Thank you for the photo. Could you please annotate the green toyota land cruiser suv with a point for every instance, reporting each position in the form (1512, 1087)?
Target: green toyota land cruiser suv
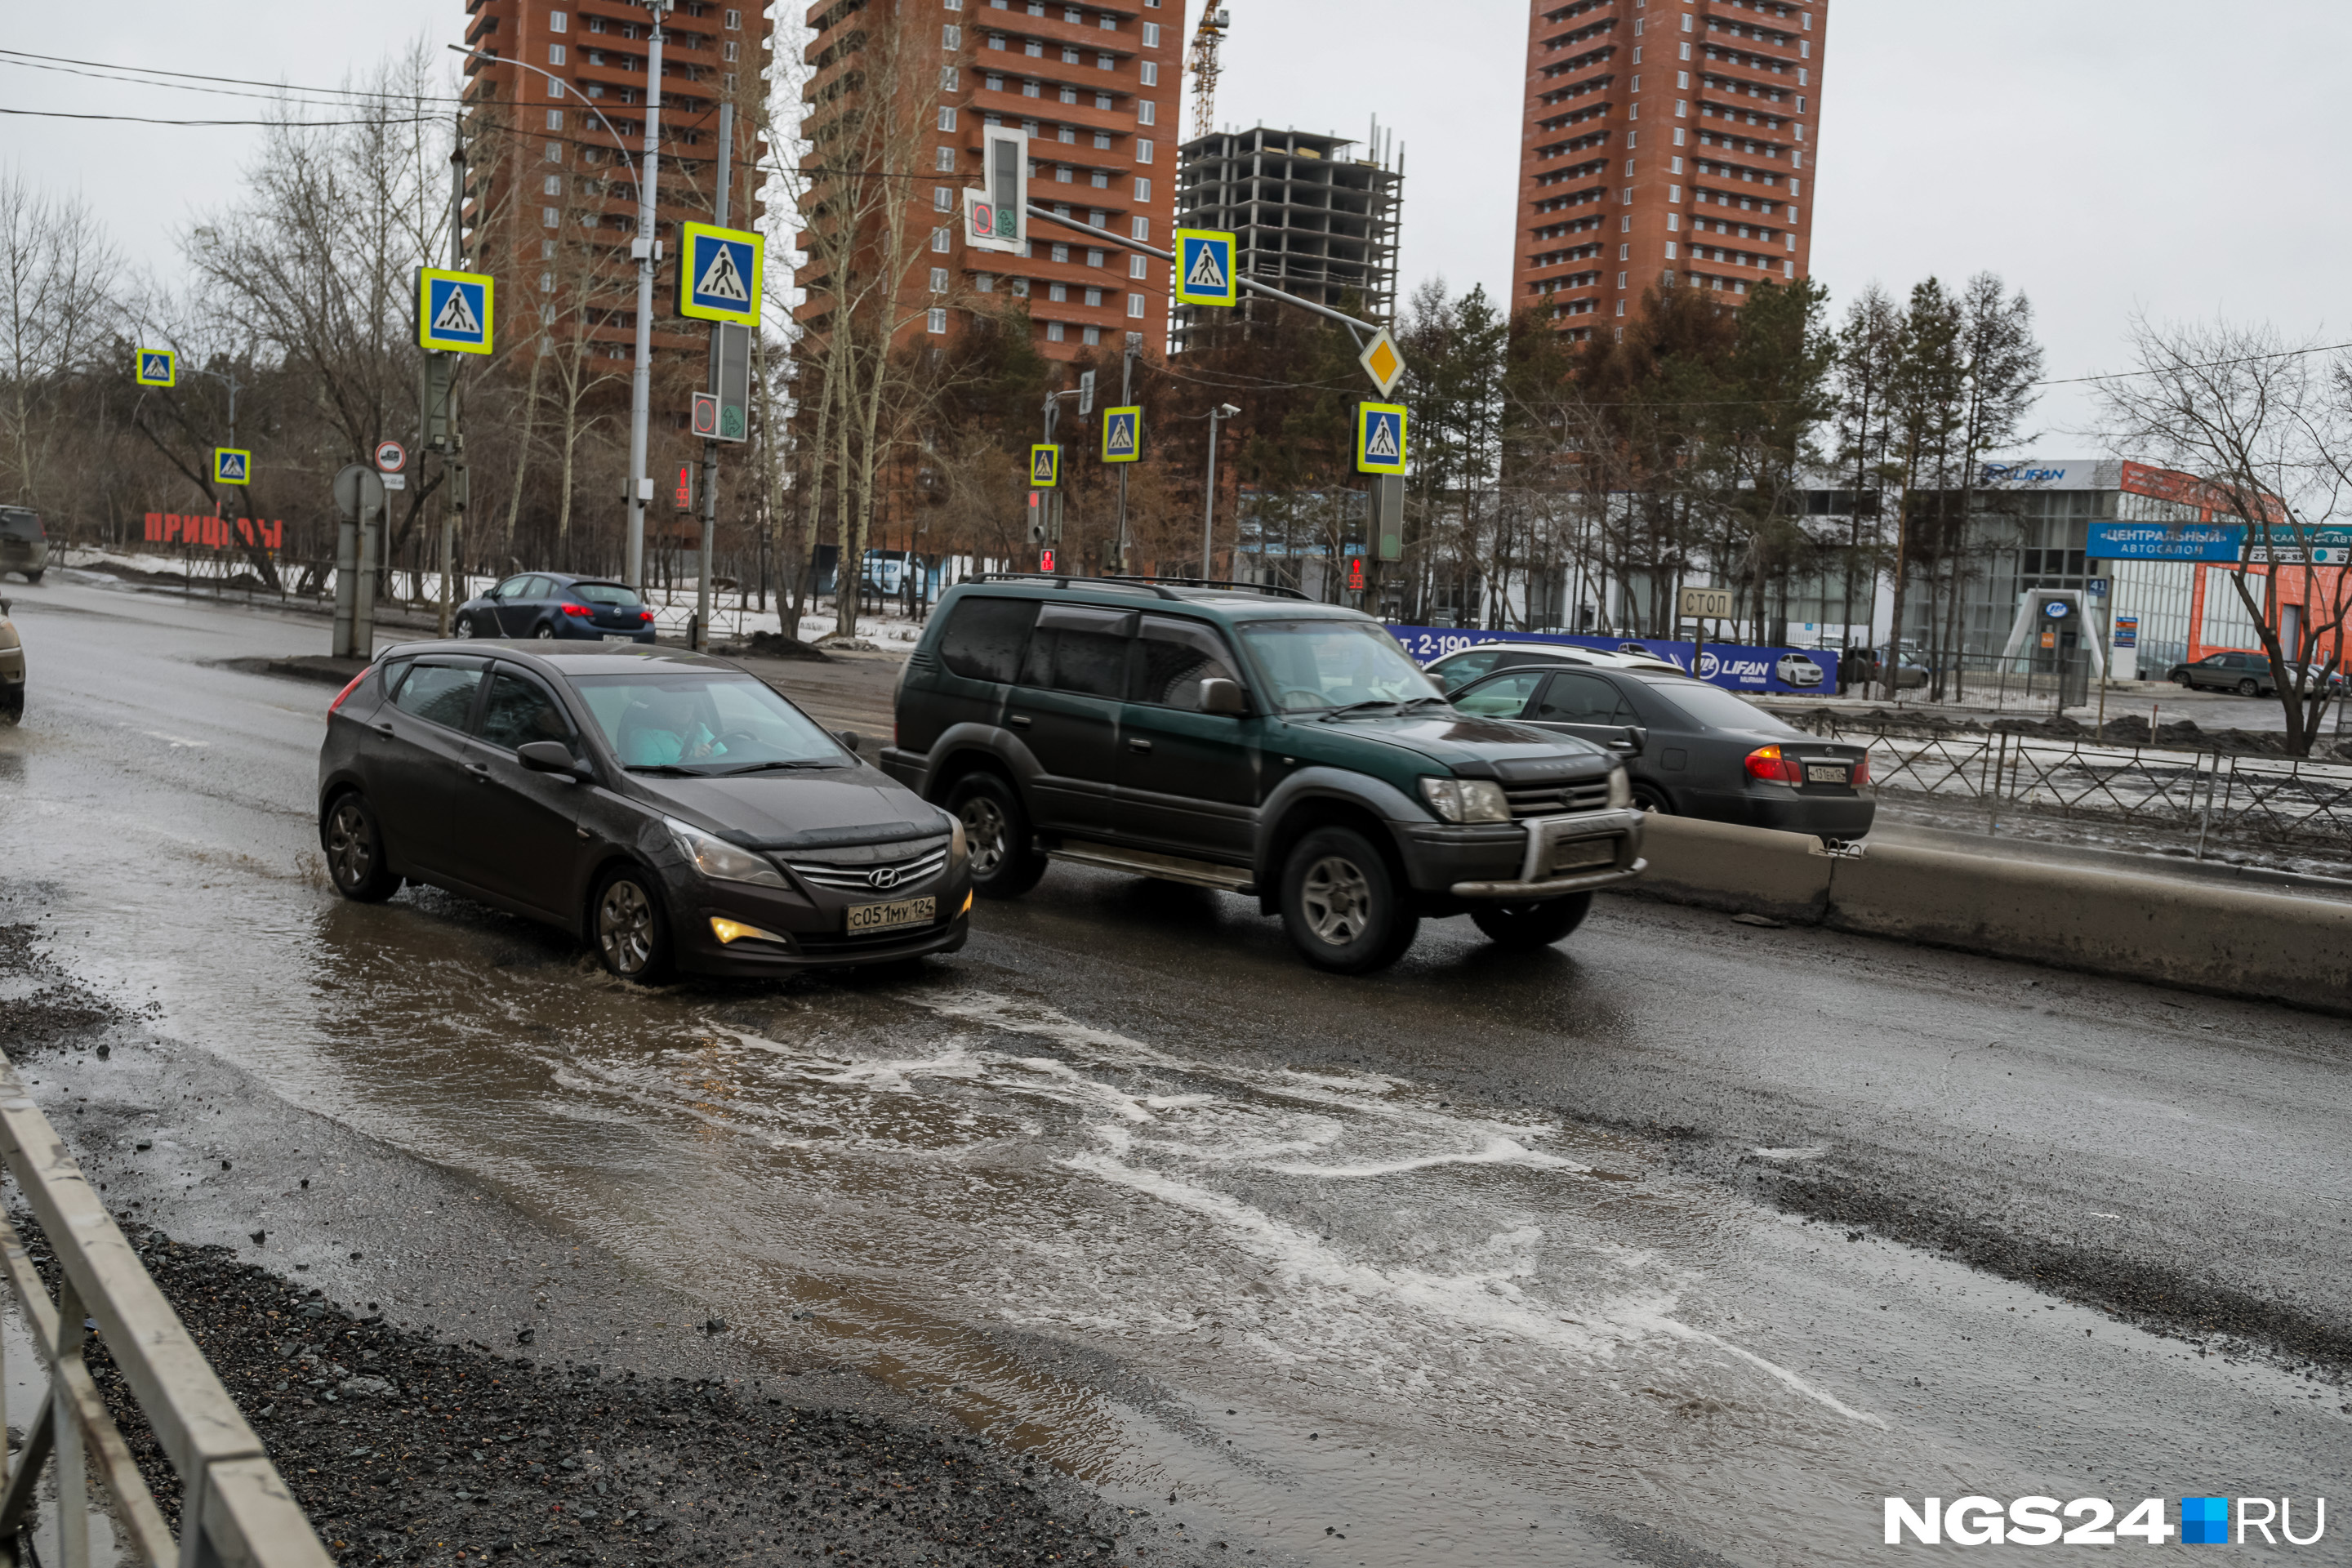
(1232, 738)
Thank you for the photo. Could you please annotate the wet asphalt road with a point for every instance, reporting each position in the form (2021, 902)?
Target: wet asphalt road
(1686, 1242)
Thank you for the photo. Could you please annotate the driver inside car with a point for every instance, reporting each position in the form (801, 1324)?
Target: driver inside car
(662, 729)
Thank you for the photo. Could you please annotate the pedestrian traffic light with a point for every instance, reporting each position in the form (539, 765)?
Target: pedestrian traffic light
(681, 490)
(1036, 517)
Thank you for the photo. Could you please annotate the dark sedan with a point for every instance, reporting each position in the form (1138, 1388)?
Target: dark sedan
(2247, 674)
(548, 605)
(1693, 749)
(664, 805)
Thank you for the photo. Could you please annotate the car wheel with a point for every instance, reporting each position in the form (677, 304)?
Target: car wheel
(1004, 860)
(1341, 904)
(2181, 680)
(355, 844)
(12, 703)
(546, 632)
(35, 577)
(1525, 927)
(2247, 687)
(632, 934)
(1649, 797)
(466, 626)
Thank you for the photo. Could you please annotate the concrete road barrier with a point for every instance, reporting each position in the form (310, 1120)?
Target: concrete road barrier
(2199, 936)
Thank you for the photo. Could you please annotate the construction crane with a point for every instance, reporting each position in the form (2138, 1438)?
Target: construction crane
(1210, 33)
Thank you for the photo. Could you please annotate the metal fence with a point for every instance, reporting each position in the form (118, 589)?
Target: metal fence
(235, 1508)
(2221, 801)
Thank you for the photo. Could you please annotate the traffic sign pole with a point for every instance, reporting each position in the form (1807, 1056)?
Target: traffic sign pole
(641, 378)
(1126, 400)
(717, 349)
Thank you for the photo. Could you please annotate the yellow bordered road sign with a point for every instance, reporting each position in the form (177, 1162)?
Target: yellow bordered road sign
(719, 274)
(1382, 362)
(1380, 437)
(1044, 468)
(1122, 434)
(232, 466)
(157, 367)
(1204, 267)
(453, 311)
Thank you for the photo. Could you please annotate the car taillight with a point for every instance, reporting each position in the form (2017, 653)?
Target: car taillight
(1767, 763)
(644, 615)
(578, 610)
(353, 685)
(1862, 770)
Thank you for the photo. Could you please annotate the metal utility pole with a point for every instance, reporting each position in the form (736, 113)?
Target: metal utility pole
(710, 447)
(1126, 400)
(1209, 507)
(643, 248)
(453, 461)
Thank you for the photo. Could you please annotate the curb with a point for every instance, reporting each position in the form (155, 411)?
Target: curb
(2228, 941)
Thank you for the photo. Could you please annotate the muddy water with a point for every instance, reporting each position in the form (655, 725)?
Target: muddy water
(1327, 1312)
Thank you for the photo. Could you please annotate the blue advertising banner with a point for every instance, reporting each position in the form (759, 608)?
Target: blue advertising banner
(1790, 671)
(2165, 541)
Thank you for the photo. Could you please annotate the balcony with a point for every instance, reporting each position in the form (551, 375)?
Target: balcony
(1015, 22)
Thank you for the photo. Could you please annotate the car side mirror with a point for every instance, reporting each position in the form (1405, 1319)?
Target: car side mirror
(1219, 695)
(849, 738)
(1630, 741)
(547, 757)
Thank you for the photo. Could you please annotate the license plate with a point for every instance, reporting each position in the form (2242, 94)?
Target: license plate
(1578, 854)
(884, 917)
(1826, 772)
(611, 636)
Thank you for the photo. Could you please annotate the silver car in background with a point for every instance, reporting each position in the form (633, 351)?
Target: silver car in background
(24, 545)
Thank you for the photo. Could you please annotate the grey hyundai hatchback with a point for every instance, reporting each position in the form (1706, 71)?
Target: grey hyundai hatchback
(664, 805)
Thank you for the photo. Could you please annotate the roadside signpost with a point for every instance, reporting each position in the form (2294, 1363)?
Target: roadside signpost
(1044, 468)
(391, 464)
(1382, 362)
(359, 496)
(719, 275)
(1701, 606)
(454, 311)
(158, 367)
(1204, 268)
(1122, 435)
(232, 466)
(1381, 437)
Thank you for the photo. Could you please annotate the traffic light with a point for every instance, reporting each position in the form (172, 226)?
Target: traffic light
(681, 492)
(1036, 517)
(1005, 177)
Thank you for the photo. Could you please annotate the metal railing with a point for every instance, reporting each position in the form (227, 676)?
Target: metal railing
(234, 1509)
(2217, 799)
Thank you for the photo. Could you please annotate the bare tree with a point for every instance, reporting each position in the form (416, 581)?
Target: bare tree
(2267, 424)
(57, 277)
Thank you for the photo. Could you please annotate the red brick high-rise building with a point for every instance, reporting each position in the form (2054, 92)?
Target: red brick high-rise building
(1666, 142)
(551, 204)
(1097, 84)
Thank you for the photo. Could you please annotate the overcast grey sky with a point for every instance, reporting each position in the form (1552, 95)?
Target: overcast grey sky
(2105, 155)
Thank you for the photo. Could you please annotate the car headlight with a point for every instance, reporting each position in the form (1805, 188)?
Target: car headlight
(1466, 800)
(1621, 789)
(957, 848)
(721, 861)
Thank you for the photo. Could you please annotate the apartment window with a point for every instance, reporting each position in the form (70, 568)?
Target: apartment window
(1687, 51)
(1151, 35)
(555, 54)
(1059, 293)
(1682, 109)
(1032, 90)
(1033, 49)
(1097, 217)
(936, 319)
(1804, 78)
(1673, 223)
(735, 20)
(1064, 173)
(995, 40)
(547, 282)
(1621, 304)
(950, 37)
(985, 282)
(1092, 335)
(1792, 188)
(1135, 302)
(1625, 253)
(947, 117)
(1139, 229)
(1093, 258)
(1147, 113)
(1804, 48)
(558, 22)
(1686, 23)
(1637, 54)
(1670, 250)
(1105, 62)
(552, 185)
(1135, 267)
(1625, 225)
(1069, 95)
(995, 83)
(938, 280)
(1069, 134)
(1101, 181)
(1791, 242)
(1102, 141)
(1061, 254)
(1144, 148)
(555, 120)
(942, 198)
(1143, 189)
(729, 49)
(944, 160)
(555, 151)
(1070, 55)
(939, 238)
(1151, 72)
(1629, 196)
(1678, 137)
(549, 218)
(1094, 298)
(1020, 288)
(1054, 333)
(546, 250)
(1103, 102)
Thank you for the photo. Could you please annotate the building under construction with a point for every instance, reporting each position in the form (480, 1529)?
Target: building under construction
(1307, 214)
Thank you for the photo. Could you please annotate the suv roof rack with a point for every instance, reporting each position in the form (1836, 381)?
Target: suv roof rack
(1157, 584)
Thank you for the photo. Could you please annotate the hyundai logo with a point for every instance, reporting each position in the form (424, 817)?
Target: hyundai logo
(883, 876)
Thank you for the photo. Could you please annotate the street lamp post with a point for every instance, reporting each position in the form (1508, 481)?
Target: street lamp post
(1209, 506)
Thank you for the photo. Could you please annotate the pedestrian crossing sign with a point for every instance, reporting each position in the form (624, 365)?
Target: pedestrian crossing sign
(1122, 435)
(1380, 437)
(719, 276)
(1044, 468)
(453, 311)
(158, 367)
(1204, 268)
(231, 467)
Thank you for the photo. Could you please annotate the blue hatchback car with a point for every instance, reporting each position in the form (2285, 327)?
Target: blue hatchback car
(551, 605)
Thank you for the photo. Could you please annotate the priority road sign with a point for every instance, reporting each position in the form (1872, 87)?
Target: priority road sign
(719, 276)
(1382, 362)
(158, 367)
(1380, 437)
(1045, 466)
(454, 310)
(232, 466)
(1204, 267)
(391, 457)
(1122, 435)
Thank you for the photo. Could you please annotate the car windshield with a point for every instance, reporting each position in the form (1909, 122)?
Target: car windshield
(704, 722)
(1712, 708)
(1322, 665)
(607, 593)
